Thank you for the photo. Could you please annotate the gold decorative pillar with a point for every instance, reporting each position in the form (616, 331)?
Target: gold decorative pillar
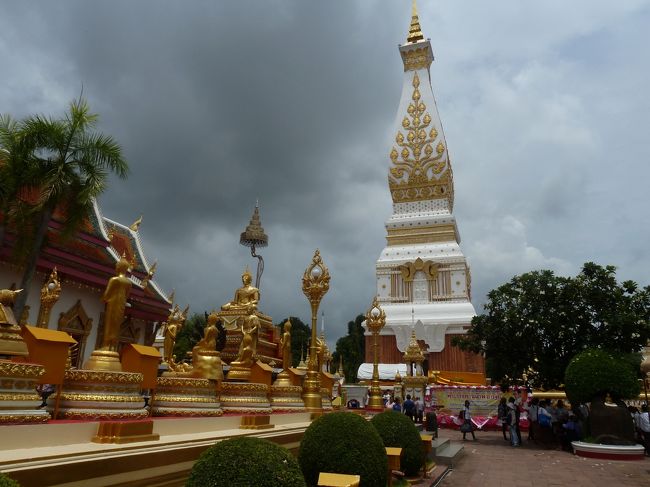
(315, 284)
(50, 293)
(375, 321)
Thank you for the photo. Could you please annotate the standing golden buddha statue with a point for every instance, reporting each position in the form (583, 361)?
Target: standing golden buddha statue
(172, 326)
(115, 296)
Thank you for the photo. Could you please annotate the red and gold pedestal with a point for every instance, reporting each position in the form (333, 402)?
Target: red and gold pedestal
(326, 400)
(185, 397)
(100, 395)
(287, 398)
(245, 398)
(18, 397)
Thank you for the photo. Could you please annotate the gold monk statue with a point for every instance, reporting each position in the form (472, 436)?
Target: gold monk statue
(250, 326)
(245, 358)
(286, 346)
(172, 327)
(7, 297)
(115, 296)
(210, 333)
(246, 297)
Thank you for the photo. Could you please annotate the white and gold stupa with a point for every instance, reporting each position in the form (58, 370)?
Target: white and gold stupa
(423, 280)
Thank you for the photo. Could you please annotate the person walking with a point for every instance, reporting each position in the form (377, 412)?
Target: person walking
(513, 422)
(419, 410)
(502, 413)
(397, 406)
(644, 426)
(532, 418)
(467, 426)
(409, 407)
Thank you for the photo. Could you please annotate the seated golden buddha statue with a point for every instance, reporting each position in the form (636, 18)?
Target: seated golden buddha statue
(246, 297)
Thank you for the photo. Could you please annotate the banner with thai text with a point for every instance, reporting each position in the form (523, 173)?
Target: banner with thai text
(484, 400)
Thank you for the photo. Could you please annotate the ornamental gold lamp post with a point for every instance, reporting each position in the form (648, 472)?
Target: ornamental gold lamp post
(315, 283)
(375, 321)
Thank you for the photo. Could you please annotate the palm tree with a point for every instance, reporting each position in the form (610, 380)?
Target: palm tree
(66, 166)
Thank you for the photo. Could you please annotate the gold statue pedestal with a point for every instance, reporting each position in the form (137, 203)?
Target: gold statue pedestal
(245, 398)
(18, 397)
(208, 365)
(100, 395)
(238, 374)
(185, 397)
(286, 398)
(326, 400)
(103, 360)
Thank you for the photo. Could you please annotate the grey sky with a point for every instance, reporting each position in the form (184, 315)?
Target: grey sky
(545, 107)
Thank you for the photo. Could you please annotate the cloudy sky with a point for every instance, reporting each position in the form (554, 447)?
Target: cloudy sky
(216, 104)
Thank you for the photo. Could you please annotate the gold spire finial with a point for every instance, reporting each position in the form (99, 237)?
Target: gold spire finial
(415, 31)
(135, 226)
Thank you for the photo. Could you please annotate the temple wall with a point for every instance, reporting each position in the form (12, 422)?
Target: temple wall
(451, 358)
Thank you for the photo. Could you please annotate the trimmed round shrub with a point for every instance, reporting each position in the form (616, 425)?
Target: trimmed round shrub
(594, 373)
(343, 443)
(242, 462)
(398, 430)
(7, 482)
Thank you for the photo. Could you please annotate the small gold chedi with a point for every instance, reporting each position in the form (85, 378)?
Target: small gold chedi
(18, 397)
(190, 390)
(286, 397)
(101, 391)
(414, 383)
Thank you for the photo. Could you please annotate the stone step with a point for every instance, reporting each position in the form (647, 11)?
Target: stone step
(439, 444)
(450, 454)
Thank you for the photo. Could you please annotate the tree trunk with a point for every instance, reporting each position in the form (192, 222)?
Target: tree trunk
(32, 259)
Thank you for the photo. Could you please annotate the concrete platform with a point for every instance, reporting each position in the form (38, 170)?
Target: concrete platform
(61, 453)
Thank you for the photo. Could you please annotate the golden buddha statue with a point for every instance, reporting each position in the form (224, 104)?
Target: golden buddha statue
(285, 345)
(246, 297)
(11, 343)
(115, 296)
(172, 326)
(117, 292)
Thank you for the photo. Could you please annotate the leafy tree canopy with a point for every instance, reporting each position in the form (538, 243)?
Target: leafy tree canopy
(352, 348)
(300, 338)
(535, 324)
(189, 335)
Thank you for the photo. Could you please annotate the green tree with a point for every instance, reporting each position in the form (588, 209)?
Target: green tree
(62, 163)
(300, 337)
(352, 348)
(189, 335)
(536, 323)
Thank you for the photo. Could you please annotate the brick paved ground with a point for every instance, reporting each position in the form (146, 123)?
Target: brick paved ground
(491, 461)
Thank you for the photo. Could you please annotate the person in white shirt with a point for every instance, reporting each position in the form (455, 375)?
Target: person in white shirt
(644, 426)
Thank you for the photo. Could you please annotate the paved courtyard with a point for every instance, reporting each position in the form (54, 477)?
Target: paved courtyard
(491, 461)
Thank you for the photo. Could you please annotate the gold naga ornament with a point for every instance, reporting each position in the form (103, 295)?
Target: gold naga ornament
(421, 170)
(50, 293)
(429, 268)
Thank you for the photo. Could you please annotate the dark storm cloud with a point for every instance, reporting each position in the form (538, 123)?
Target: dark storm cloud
(218, 104)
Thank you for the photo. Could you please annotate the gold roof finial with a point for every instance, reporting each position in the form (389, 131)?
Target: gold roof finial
(135, 226)
(415, 31)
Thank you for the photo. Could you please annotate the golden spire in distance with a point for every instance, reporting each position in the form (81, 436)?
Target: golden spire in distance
(415, 31)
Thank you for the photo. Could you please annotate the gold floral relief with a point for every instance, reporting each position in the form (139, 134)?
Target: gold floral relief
(420, 165)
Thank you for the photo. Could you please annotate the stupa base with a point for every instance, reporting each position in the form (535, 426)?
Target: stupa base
(18, 397)
(287, 398)
(245, 398)
(185, 397)
(99, 395)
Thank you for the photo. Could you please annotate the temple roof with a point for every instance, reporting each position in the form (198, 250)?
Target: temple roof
(90, 257)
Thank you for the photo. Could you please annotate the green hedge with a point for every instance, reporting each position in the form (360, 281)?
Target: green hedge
(343, 443)
(7, 482)
(595, 372)
(243, 462)
(398, 430)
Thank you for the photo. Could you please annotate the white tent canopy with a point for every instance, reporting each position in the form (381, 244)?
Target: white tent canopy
(386, 371)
